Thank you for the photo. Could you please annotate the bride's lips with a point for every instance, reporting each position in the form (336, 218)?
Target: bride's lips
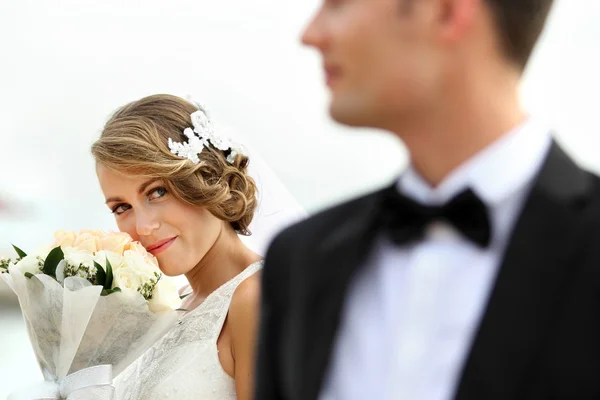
(160, 246)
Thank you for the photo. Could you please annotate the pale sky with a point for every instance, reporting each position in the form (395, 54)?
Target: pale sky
(67, 64)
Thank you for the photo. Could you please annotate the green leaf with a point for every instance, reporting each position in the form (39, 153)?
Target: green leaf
(54, 257)
(106, 292)
(100, 275)
(28, 275)
(20, 252)
(184, 296)
(109, 275)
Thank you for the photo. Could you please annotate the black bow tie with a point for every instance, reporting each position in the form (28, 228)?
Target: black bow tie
(406, 220)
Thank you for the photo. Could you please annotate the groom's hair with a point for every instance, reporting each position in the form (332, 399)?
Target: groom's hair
(519, 24)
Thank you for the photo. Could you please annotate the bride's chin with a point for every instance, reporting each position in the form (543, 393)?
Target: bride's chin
(171, 269)
(165, 266)
(170, 273)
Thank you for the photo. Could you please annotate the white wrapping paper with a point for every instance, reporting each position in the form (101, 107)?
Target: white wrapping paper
(73, 328)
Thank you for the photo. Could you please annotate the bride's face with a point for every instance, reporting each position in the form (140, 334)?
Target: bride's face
(178, 234)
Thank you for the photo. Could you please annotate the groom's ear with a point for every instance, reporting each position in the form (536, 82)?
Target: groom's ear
(452, 15)
(442, 21)
(454, 19)
(509, 28)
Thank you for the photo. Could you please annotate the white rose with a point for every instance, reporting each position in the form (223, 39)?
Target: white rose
(76, 257)
(134, 271)
(165, 296)
(141, 262)
(127, 277)
(29, 264)
(136, 247)
(115, 259)
(78, 263)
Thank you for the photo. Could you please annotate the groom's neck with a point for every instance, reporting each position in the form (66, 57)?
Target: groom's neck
(472, 113)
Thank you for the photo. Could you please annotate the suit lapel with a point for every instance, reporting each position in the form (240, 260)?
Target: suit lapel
(527, 290)
(339, 256)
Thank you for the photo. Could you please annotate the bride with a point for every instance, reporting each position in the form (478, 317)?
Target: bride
(183, 189)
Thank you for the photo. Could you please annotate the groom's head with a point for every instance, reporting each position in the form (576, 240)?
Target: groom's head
(391, 59)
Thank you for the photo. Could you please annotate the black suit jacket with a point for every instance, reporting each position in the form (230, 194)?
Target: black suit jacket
(538, 339)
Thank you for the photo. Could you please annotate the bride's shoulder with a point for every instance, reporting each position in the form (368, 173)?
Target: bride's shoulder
(245, 303)
(247, 294)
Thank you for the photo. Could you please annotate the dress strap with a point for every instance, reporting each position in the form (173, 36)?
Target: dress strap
(230, 288)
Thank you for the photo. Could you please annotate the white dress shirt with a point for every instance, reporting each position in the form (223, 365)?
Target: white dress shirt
(411, 312)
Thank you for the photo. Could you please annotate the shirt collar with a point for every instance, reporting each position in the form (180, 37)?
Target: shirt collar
(502, 168)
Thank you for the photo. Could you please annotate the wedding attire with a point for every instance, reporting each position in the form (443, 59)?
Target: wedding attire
(184, 364)
(356, 307)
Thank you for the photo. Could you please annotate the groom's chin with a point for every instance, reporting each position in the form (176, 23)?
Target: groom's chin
(350, 112)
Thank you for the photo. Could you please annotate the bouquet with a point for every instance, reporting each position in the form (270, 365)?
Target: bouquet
(92, 303)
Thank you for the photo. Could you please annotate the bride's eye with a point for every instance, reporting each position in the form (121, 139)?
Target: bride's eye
(120, 208)
(157, 193)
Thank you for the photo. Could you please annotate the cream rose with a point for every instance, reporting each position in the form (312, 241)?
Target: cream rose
(165, 296)
(116, 242)
(87, 242)
(93, 232)
(64, 238)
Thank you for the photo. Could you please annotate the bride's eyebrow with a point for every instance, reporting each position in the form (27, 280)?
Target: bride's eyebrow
(141, 189)
(113, 200)
(144, 185)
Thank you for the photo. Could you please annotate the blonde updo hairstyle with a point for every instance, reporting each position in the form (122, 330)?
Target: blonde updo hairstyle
(135, 142)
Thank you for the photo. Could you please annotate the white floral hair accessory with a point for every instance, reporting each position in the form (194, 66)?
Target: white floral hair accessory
(203, 135)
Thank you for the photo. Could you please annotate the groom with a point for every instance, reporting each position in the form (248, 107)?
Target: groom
(474, 276)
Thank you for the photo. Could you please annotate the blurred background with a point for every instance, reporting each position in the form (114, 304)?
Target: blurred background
(66, 65)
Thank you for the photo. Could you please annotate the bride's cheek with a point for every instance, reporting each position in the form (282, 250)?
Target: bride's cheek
(124, 224)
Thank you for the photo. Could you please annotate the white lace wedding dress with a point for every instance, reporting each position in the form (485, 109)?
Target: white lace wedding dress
(184, 364)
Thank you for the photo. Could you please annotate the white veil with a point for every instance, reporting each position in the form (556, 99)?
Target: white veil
(277, 208)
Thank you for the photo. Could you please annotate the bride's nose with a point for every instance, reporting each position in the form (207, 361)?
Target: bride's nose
(146, 223)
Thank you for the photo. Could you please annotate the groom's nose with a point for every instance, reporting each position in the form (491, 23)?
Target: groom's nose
(314, 33)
